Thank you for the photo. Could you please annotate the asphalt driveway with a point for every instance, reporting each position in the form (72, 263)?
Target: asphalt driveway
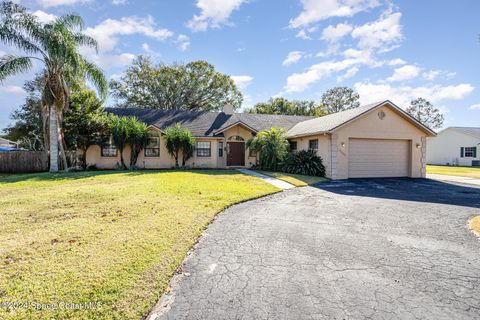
(377, 249)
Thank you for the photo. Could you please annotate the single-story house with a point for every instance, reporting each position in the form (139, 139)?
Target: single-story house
(375, 140)
(455, 146)
(5, 143)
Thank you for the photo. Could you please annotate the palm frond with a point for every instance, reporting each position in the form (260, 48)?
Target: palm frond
(96, 76)
(71, 21)
(11, 65)
(16, 39)
(86, 41)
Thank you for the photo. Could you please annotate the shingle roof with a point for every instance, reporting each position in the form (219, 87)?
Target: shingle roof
(208, 124)
(329, 122)
(473, 131)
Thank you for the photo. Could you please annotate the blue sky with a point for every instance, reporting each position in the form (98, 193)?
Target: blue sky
(396, 50)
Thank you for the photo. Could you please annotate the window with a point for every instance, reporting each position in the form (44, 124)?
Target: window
(108, 148)
(468, 152)
(220, 149)
(153, 146)
(252, 153)
(293, 146)
(313, 145)
(236, 138)
(203, 149)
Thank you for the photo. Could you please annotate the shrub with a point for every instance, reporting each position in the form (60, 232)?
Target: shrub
(304, 162)
(179, 139)
(272, 145)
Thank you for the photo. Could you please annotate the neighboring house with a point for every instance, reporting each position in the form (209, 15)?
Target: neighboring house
(4, 143)
(457, 146)
(376, 140)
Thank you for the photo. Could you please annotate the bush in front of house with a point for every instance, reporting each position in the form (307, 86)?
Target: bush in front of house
(304, 162)
(272, 146)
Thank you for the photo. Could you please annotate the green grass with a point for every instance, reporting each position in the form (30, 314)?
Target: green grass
(472, 172)
(297, 180)
(110, 237)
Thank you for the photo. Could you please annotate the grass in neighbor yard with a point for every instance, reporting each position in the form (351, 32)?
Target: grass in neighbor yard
(109, 237)
(472, 172)
(475, 225)
(297, 180)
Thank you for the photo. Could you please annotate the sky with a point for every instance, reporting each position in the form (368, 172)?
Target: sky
(396, 50)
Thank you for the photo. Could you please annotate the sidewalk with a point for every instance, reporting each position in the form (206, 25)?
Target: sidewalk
(276, 182)
(454, 179)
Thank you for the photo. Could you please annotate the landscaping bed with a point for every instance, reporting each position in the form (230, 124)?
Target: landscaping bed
(113, 239)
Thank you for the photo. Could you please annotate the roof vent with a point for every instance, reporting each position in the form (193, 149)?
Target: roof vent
(228, 109)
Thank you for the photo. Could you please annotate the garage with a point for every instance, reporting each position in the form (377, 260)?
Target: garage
(375, 158)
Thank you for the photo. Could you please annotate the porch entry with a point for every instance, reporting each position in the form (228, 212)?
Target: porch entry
(236, 151)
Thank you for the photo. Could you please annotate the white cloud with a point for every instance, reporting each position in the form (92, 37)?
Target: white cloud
(44, 17)
(382, 33)
(55, 3)
(475, 107)
(107, 32)
(407, 72)
(113, 61)
(183, 42)
(396, 62)
(213, 14)
(318, 10)
(335, 33)
(293, 57)
(302, 34)
(402, 95)
(242, 82)
(119, 2)
(349, 74)
(12, 89)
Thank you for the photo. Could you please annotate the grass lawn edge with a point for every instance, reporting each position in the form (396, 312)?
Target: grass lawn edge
(294, 179)
(474, 225)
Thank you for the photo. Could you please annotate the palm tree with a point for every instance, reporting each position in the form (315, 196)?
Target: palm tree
(272, 146)
(120, 131)
(55, 45)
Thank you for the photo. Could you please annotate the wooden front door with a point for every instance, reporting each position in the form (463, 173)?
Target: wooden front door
(236, 154)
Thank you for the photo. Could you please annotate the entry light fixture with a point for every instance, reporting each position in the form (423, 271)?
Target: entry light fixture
(418, 145)
(343, 144)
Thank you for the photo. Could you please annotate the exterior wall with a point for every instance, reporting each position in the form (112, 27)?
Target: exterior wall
(444, 149)
(324, 150)
(246, 135)
(370, 126)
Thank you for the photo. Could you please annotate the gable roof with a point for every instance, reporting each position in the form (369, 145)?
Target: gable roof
(334, 121)
(208, 124)
(472, 131)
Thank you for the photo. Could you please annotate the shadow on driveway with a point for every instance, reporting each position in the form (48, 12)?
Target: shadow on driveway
(420, 190)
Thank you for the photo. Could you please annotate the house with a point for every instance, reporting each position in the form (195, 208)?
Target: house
(375, 140)
(457, 146)
(4, 143)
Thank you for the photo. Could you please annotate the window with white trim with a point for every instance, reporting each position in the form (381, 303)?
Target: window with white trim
(220, 149)
(153, 145)
(204, 149)
(469, 152)
(108, 148)
(313, 145)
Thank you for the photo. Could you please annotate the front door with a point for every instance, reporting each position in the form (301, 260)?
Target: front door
(236, 154)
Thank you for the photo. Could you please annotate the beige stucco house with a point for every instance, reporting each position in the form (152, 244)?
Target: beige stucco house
(376, 140)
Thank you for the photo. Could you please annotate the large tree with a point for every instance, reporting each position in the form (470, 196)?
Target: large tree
(287, 107)
(193, 86)
(56, 46)
(85, 122)
(28, 121)
(339, 99)
(425, 112)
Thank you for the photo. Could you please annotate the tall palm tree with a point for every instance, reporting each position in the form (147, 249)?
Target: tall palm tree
(56, 45)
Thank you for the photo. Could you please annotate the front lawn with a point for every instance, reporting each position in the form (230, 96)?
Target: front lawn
(471, 172)
(109, 238)
(475, 225)
(297, 180)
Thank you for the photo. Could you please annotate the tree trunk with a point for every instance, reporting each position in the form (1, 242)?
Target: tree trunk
(45, 119)
(176, 158)
(53, 141)
(62, 144)
(122, 161)
(84, 158)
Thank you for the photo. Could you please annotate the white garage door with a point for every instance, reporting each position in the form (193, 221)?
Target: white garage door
(371, 158)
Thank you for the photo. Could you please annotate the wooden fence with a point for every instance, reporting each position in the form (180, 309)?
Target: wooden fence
(23, 161)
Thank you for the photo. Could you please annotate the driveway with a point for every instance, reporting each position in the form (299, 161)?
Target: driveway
(376, 249)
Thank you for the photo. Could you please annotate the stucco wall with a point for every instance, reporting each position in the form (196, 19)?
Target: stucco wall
(324, 147)
(370, 126)
(444, 149)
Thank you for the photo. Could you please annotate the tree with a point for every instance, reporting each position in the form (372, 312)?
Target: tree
(339, 99)
(27, 129)
(286, 107)
(138, 139)
(422, 110)
(56, 45)
(85, 122)
(119, 128)
(179, 139)
(272, 145)
(193, 86)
